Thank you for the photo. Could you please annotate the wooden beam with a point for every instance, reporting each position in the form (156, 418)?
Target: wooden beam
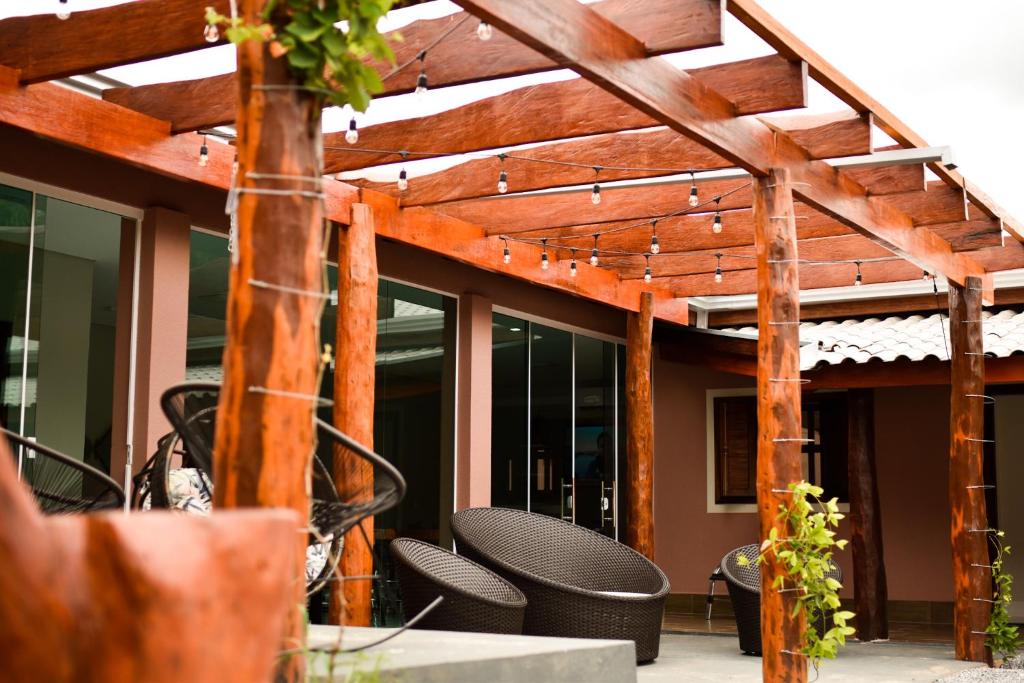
(972, 580)
(755, 18)
(869, 584)
(265, 435)
(778, 414)
(905, 373)
(467, 243)
(552, 111)
(568, 32)
(661, 149)
(665, 25)
(640, 429)
(355, 368)
(43, 47)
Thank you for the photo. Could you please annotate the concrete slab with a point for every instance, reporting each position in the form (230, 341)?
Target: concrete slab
(447, 657)
(717, 658)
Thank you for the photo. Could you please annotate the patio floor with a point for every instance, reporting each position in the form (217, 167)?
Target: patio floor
(910, 632)
(692, 657)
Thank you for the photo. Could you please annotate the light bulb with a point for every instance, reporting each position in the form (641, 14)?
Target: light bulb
(352, 134)
(716, 227)
(655, 247)
(694, 199)
(502, 182)
(572, 268)
(507, 257)
(484, 31)
(544, 261)
(595, 194)
(63, 12)
(204, 154)
(211, 33)
(926, 276)
(421, 83)
(647, 274)
(859, 280)
(593, 257)
(403, 180)
(718, 275)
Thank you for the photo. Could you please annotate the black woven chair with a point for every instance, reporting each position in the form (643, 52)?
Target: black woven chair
(191, 408)
(61, 484)
(475, 598)
(744, 584)
(578, 583)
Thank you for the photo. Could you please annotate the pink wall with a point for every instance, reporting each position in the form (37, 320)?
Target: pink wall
(911, 428)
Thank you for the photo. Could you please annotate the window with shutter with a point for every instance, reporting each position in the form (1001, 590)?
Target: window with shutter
(735, 449)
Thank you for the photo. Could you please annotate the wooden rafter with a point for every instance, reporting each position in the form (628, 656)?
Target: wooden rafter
(568, 32)
(665, 25)
(554, 111)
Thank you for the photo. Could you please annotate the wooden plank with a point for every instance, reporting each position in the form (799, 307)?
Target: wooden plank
(778, 414)
(355, 365)
(467, 243)
(904, 373)
(755, 18)
(661, 149)
(75, 119)
(665, 25)
(640, 429)
(43, 47)
(869, 584)
(889, 179)
(972, 580)
(569, 33)
(265, 433)
(550, 111)
(970, 235)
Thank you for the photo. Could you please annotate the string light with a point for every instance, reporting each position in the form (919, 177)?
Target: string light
(484, 31)
(572, 265)
(352, 134)
(403, 180)
(655, 247)
(593, 252)
(859, 280)
(927, 276)
(718, 269)
(63, 11)
(716, 226)
(694, 198)
(421, 80)
(647, 268)
(544, 255)
(204, 153)
(595, 193)
(507, 256)
(211, 33)
(502, 177)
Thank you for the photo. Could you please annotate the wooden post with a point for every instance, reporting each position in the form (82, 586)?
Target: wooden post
(640, 428)
(354, 376)
(265, 422)
(869, 584)
(778, 410)
(966, 478)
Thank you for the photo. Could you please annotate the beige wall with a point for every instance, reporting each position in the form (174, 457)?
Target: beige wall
(911, 448)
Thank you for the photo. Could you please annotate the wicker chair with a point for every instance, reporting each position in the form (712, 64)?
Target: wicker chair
(475, 598)
(61, 484)
(744, 584)
(578, 583)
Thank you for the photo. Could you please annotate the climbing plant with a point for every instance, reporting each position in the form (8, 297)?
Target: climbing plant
(1002, 637)
(805, 553)
(326, 43)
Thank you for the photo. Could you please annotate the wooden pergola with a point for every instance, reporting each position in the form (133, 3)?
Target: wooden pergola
(793, 217)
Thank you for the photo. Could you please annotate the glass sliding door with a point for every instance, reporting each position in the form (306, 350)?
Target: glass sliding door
(557, 423)
(60, 288)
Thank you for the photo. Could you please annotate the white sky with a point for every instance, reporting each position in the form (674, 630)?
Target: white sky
(951, 69)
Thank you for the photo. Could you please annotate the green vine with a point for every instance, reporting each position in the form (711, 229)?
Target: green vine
(1002, 637)
(806, 556)
(327, 56)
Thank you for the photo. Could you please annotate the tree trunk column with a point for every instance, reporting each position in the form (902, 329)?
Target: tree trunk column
(778, 410)
(972, 580)
(265, 422)
(869, 584)
(640, 429)
(355, 367)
